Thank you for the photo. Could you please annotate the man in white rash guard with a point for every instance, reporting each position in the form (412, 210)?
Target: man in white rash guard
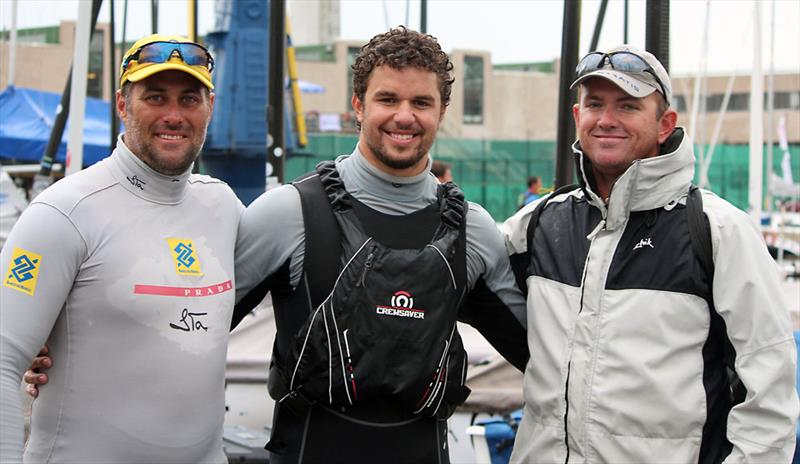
(127, 267)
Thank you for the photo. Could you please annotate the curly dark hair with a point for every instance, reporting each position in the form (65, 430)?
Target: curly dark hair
(400, 48)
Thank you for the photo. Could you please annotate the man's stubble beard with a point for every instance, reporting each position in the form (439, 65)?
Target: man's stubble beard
(146, 152)
(398, 164)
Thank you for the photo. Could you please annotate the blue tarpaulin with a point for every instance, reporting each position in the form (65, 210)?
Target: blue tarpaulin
(26, 119)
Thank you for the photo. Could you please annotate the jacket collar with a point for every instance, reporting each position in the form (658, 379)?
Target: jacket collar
(647, 184)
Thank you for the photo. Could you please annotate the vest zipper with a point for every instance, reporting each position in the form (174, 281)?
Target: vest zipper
(367, 266)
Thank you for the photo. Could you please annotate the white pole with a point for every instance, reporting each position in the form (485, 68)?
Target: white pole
(705, 162)
(77, 104)
(699, 95)
(756, 120)
(12, 46)
(770, 107)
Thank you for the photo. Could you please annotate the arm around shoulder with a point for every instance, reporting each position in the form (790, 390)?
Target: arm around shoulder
(270, 234)
(494, 305)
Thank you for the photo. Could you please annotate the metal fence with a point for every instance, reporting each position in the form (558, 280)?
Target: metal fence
(495, 172)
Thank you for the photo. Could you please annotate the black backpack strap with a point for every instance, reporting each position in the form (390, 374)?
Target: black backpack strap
(521, 261)
(700, 236)
(534, 221)
(700, 231)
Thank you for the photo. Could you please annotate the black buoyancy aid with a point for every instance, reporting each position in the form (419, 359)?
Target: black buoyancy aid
(387, 329)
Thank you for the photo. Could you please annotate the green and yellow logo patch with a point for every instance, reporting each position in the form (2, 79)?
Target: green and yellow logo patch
(23, 271)
(184, 256)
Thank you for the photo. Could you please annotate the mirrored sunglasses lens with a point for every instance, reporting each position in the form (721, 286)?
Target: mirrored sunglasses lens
(161, 52)
(589, 63)
(628, 62)
(193, 55)
(155, 53)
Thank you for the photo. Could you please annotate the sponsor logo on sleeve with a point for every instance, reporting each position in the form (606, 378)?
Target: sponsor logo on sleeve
(23, 271)
(184, 255)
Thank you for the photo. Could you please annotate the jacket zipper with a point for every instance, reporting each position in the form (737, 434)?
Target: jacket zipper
(600, 226)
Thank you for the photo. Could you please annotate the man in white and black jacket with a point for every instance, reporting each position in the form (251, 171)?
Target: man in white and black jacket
(641, 353)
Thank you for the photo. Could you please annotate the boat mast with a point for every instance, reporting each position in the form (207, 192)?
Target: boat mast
(756, 170)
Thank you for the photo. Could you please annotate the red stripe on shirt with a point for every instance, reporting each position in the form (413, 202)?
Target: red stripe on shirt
(183, 291)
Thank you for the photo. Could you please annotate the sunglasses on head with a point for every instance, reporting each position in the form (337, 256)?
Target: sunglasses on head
(160, 52)
(619, 61)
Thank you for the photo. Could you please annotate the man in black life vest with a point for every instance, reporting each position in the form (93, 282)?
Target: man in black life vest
(367, 360)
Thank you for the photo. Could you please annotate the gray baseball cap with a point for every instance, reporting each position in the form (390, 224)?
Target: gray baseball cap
(636, 77)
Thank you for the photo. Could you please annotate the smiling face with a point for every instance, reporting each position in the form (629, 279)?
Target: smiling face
(615, 129)
(399, 117)
(166, 116)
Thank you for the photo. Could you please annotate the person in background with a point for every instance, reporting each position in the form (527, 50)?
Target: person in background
(442, 171)
(532, 193)
(644, 351)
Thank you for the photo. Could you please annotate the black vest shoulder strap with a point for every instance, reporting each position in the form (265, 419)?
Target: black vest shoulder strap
(460, 259)
(322, 236)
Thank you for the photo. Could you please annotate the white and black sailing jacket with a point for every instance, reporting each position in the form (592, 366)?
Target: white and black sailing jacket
(630, 340)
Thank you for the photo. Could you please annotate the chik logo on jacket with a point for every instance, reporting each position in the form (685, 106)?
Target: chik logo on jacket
(23, 271)
(184, 255)
(402, 305)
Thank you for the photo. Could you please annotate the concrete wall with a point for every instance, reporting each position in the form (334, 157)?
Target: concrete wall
(331, 75)
(526, 105)
(518, 105)
(47, 66)
(736, 126)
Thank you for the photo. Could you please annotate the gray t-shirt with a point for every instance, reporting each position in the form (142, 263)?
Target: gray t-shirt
(127, 274)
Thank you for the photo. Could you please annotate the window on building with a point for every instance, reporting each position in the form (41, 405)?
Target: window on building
(785, 100)
(94, 79)
(714, 102)
(679, 103)
(739, 102)
(473, 90)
